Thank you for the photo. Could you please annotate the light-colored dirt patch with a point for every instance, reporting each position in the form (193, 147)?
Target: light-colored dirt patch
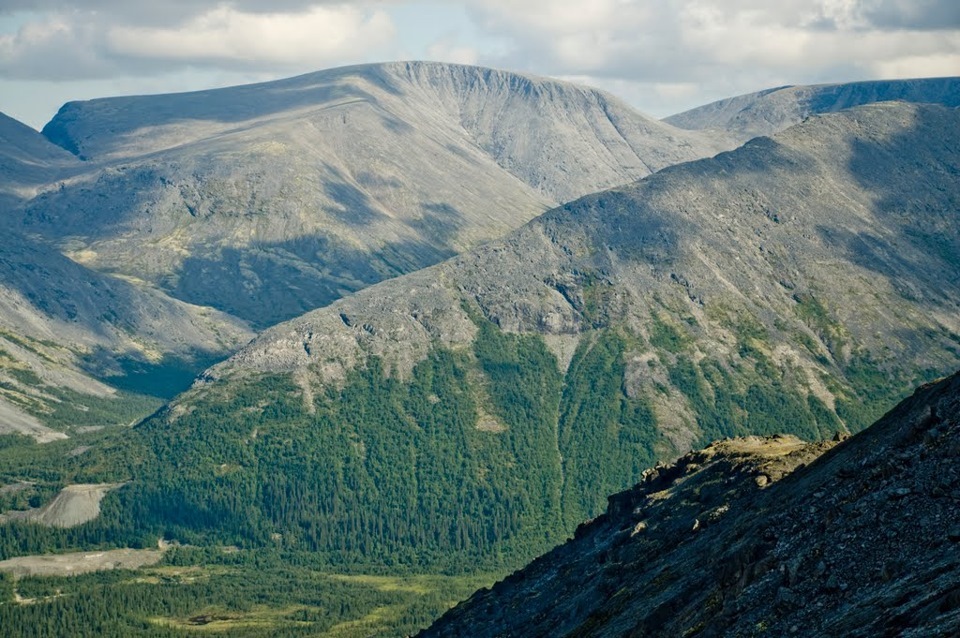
(74, 505)
(15, 421)
(81, 562)
(487, 423)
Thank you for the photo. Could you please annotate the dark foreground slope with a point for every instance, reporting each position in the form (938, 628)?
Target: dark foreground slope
(767, 112)
(761, 537)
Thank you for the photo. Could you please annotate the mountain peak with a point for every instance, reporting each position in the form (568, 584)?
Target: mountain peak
(364, 172)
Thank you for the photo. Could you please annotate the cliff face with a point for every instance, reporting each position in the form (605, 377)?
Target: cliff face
(761, 537)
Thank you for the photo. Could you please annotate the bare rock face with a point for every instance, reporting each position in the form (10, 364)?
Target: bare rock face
(760, 536)
(768, 112)
(269, 200)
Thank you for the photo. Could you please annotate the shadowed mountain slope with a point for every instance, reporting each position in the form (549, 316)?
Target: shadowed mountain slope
(28, 161)
(272, 199)
(766, 112)
(760, 536)
(66, 331)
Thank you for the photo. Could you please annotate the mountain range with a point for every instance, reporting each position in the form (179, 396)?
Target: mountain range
(176, 222)
(801, 284)
(269, 200)
(479, 303)
(766, 112)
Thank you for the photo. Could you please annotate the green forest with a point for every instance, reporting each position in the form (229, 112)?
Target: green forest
(234, 594)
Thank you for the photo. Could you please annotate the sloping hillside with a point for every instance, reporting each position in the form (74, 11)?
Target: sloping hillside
(66, 332)
(760, 537)
(28, 161)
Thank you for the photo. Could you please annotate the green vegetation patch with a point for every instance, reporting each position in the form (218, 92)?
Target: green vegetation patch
(606, 437)
(665, 336)
(239, 594)
(752, 402)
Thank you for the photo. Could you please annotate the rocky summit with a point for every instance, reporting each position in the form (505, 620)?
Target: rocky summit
(760, 536)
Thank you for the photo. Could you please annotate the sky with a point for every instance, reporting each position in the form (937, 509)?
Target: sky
(661, 56)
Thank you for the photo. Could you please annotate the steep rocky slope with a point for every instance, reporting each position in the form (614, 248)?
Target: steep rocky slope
(273, 199)
(767, 112)
(760, 537)
(800, 283)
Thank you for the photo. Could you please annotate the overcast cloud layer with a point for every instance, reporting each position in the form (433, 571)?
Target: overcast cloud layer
(662, 55)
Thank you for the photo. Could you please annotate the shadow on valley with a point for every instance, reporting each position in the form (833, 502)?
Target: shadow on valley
(271, 282)
(163, 379)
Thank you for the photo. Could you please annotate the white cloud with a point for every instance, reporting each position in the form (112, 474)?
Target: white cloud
(677, 41)
(653, 52)
(99, 44)
(225, 35)
(447, 50)
(935, 65)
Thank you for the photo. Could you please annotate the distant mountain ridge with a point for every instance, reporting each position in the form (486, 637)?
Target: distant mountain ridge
(766, 112)
(760, 536)
(269, 200)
